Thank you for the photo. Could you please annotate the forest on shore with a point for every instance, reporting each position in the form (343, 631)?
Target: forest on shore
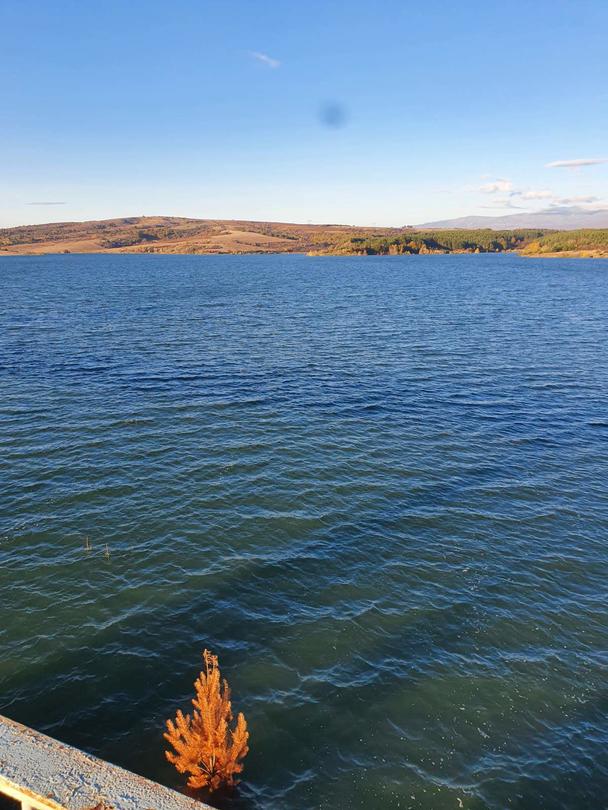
(587, 242)
(203, 236)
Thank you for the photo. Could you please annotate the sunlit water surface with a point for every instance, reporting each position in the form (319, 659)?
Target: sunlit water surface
(376, 487)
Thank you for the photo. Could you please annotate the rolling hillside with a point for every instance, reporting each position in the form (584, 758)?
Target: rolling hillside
(199, 236)
(175, 235)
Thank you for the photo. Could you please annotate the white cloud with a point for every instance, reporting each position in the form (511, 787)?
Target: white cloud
(502, 204)
(265, 59)
(575, 164)
(509, 196)
(531, 194)
(500, 185)
(576, 200)
(575, 209)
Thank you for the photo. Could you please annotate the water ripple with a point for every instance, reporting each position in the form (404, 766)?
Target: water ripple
(376, 488)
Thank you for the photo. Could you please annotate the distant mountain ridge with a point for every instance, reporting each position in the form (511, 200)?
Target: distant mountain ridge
(559, 218)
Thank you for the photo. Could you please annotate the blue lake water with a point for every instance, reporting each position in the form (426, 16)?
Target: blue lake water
(376, 487)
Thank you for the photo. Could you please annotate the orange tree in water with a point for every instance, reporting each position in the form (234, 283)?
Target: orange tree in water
(204, 744)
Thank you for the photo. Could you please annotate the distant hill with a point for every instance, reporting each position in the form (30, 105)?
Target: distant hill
(170, 235)
(199, 236)
(182, 235)
(559, 218)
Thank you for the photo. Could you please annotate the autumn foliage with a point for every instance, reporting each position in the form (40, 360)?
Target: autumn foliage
(205, 745)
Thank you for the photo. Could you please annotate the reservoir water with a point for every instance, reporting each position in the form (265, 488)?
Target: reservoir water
(375, 487)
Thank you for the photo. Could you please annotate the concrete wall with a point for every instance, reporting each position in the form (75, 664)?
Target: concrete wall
(44, 774)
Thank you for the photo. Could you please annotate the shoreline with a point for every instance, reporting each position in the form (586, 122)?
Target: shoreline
(199, 237)
(565, 254)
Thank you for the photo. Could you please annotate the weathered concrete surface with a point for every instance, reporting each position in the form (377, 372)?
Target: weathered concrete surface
(46, 773)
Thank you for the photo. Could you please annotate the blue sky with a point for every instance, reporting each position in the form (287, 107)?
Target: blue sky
(353, 112)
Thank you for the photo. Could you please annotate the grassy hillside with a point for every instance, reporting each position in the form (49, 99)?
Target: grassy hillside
(182, 235)
(584, 242)
(176, 235)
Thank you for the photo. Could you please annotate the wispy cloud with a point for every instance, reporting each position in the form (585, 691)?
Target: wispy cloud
(575, 164)
(574, 209)
(504, 194)
(499, 185)
(508, 203)
(51, 202)
(576, 200)
(532, 194)
(265, 59)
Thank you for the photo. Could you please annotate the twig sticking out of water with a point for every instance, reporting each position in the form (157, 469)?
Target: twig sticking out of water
(87, 544)
(106, 553)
